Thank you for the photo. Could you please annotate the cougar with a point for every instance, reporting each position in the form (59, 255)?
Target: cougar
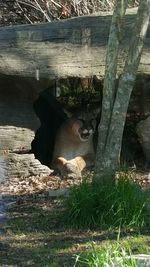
(74, 149)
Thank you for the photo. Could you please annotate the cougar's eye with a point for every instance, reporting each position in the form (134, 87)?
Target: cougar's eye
(91, 131)
(82, 121)
(85, 131)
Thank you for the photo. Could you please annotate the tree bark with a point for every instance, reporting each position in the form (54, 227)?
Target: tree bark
(107, 160)
(73, 47)
(109, 90)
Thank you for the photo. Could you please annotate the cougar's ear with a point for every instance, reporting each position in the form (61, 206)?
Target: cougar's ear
(96, 111)
(68, 113)
(93, 123)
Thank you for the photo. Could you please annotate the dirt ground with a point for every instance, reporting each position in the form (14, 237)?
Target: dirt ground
(31, 225)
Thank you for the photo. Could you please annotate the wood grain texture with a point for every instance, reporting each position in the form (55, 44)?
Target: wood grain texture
(72, 47)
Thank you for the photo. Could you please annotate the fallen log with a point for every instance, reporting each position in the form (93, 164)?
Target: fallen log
(72, 47)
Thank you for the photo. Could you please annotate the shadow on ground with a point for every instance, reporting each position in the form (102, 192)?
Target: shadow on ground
(35, 234)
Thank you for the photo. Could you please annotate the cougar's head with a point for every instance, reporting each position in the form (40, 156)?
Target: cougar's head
(83, 129)
(83, 123)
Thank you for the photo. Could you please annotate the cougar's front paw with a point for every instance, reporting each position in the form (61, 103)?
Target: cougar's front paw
(72, 171)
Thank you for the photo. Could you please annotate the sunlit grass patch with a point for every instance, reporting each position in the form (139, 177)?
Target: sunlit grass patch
(111, 255)
(113, 204)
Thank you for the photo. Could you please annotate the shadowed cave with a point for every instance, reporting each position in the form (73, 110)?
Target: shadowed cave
(30, 115)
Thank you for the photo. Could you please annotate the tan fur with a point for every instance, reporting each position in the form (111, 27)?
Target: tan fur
(73, 151)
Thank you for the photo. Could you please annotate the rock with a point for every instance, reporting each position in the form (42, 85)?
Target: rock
(3, 169)
(25, 165)
(58, 192)
(143, 132)
(142, 260)
(15, 138)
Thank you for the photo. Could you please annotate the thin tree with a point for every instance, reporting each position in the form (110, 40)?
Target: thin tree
(116, 99)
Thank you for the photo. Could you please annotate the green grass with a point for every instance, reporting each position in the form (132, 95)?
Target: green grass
(38, 237)
(114, 253)
(110, 255)
(114, 204)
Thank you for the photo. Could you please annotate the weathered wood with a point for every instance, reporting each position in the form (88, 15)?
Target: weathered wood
(73, 47)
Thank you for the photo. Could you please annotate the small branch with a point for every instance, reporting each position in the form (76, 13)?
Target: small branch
(56, 4)
(24, 14)
(27, 4)
(40, 8)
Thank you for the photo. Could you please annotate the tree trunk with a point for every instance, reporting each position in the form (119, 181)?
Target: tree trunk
(107, 160)
(109, 90)
(72, 47)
